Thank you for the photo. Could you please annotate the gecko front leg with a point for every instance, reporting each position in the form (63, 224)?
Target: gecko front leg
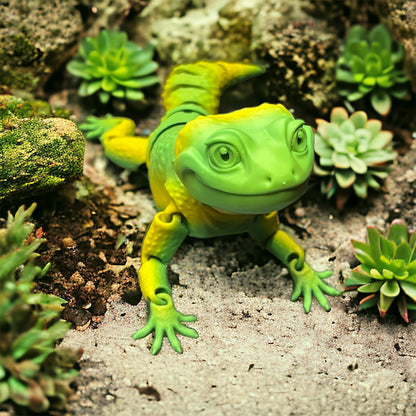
(163, 238)
(307, 282)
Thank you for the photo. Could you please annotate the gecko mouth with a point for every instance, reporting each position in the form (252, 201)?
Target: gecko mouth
(260, 203)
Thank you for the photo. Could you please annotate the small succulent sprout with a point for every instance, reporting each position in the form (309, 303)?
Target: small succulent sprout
(110, 65)
(371, 63)
(353, 154)
(387, 272)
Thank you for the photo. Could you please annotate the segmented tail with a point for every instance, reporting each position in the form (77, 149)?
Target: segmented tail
(202, 83)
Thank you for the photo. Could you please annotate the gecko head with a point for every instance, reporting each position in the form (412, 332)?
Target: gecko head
(251, 161)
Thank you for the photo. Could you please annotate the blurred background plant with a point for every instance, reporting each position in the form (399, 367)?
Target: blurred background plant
(388, 269)
(371, 63)
(353, 154)
(33, 373)
(110, 65)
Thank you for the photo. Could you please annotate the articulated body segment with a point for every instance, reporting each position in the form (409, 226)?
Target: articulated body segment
(203, 83)
(163, 238)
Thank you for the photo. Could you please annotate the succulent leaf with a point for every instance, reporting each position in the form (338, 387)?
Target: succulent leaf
(398, 233)
(370, 288)
(363, 253)
(362, 274)
(409, 289)
(4, 391)
(358, 165)
(357, 280)
(338, 115)
(379, 34)
(345, 178)
(134, 94)
(359, 119)
(356, 95)
(380, 140)
(368, 302)
(404, 251)
(403, 310)
(341, 160)
(388, 247)
(360, 188)
(110, 65)
(381, 102)
(390, 288)
(371, 63)
(384, 304)
(378, 157)
(411, 306)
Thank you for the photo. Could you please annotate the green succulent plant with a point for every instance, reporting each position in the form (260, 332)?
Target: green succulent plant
(33, 373)
(371, 63)
(387, 272)
(113, 66)
(353, 153)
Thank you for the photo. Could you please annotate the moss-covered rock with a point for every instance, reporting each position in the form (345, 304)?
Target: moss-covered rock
(38, 152)
(36, 37)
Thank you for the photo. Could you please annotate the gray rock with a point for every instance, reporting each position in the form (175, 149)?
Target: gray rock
(220, 29)
(36, 37)
(300, 52)
(301, 55)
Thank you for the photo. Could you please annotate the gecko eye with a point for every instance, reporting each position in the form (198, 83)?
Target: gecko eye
(223, 155)
(299, 140)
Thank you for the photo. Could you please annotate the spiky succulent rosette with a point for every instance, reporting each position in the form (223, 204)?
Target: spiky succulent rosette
(110, 65)
(33, 373)
(353, 154)
(387, 272)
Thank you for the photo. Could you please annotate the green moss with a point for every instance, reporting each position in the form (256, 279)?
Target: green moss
(12, 107)
(25, 51)
(38, 156)
(16, 68)
(37, 152)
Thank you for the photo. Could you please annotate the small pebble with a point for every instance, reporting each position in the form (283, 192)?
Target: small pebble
(300, 212)
(68, 242)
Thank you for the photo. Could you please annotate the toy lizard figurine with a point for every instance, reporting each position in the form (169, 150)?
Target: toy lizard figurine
(215, 175)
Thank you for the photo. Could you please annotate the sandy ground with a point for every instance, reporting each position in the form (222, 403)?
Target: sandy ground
(258, 353)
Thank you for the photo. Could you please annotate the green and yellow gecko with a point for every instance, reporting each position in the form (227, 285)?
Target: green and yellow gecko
(213, 175)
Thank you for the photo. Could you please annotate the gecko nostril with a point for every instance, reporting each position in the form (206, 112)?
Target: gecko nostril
(269, 180)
